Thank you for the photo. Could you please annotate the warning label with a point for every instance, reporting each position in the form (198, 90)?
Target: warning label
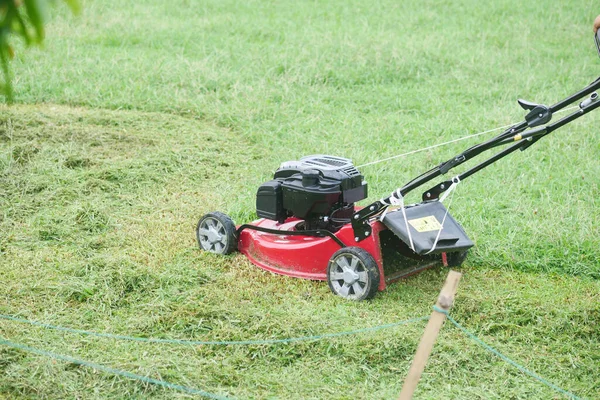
(425, 224)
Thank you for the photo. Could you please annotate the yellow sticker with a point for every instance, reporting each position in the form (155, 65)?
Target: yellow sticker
(425, 224)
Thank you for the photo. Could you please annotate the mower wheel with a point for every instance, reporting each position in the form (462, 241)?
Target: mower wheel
(216, 233)
(455, 259)
(352, 273)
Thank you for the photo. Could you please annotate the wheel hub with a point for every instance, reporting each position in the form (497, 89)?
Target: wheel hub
(213, 235)
(350, 277)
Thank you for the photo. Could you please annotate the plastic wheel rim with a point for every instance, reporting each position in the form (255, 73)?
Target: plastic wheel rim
(349, 277)
(212, 235)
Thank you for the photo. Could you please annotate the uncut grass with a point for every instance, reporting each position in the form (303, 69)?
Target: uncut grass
(98, 220)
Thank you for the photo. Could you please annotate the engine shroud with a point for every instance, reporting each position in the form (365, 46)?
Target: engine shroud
(319, 189)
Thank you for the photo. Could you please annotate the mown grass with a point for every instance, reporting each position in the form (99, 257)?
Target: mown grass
(138, 118)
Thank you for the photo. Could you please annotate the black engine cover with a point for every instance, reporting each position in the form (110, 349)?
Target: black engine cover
(311, 189)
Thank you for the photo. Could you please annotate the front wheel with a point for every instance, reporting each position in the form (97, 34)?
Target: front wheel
(352, 273)
(216, 233)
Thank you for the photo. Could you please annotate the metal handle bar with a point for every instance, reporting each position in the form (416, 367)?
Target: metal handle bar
(493, 142)
(516, 133)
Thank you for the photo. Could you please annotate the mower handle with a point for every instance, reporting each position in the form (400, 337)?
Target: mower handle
(517, 133)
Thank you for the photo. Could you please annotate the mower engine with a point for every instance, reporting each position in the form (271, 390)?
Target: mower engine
(320, 190)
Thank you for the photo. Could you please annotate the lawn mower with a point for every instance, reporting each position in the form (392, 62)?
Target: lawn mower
(310, 227)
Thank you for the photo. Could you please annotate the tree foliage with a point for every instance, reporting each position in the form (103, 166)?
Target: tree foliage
(25, 19)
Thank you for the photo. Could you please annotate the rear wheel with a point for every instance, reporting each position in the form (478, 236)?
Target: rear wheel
(455, 259)
(352, 273)
(216, 233)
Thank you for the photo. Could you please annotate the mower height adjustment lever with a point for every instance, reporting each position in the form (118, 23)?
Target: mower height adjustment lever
(539, 114)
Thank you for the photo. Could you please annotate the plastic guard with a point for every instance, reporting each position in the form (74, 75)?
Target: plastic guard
(424, 222)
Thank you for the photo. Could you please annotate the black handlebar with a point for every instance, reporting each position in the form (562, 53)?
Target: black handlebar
(523, 135)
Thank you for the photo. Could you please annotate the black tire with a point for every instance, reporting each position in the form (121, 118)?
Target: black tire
(353, 274)
(455, 259)
(216, 233)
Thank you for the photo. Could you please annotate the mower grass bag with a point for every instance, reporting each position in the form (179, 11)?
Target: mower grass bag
(422, 229)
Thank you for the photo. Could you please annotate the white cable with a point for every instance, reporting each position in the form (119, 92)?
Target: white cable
(451, 141)
(455, 182)
(396, 199)
(432, 147)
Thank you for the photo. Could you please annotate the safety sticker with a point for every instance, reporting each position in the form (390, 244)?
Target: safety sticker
(426, 224)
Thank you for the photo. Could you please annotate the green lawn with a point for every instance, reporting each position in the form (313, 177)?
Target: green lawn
(138, 117)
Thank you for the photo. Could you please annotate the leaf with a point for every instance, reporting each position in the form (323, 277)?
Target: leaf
(36, 11)
(21, 28)
(16, 21)
(7, 87)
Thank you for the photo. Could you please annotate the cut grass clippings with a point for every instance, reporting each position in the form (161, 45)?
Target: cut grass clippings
(108, 245)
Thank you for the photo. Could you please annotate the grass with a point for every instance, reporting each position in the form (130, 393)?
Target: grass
(138, 118)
